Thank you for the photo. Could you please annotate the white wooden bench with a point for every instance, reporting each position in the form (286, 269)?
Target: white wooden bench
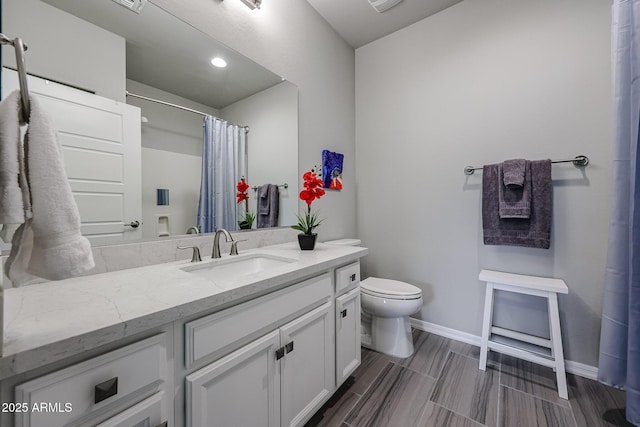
(546, 352)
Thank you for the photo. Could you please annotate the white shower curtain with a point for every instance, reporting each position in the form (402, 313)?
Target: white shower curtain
(223, 164)
(619, 362)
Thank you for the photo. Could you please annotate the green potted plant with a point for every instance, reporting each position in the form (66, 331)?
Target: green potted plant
(247, 222)
(310, 220)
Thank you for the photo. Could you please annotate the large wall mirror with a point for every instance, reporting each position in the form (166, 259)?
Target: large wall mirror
(84, 57)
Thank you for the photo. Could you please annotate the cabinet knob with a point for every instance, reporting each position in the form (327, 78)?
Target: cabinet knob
(353, 277)
(105, 390)
(344, 313)
(280, 353)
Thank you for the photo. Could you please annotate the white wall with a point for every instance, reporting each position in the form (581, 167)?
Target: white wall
(481, 82)
(291, 39)
(272, 143)
(171, 158)
(64, 48)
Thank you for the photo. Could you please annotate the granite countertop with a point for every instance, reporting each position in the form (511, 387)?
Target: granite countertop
(51, 321)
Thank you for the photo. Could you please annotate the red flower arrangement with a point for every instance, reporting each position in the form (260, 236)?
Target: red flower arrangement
(242, 196)
(312, 190)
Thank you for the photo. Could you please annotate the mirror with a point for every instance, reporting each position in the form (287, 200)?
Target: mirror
(101, 47)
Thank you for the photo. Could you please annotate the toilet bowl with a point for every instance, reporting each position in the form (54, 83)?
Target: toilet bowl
(386, 306)
(390, 303)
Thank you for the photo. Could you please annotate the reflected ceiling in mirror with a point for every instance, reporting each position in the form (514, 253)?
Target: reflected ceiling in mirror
(166, 53)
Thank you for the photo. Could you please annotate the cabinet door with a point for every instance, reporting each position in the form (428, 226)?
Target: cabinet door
(308, 365)
(347, 334)
(241, 389)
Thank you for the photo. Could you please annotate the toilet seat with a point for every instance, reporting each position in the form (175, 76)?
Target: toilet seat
(390, 289)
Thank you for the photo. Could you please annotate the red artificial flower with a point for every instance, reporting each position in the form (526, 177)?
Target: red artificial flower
(242, 187)
(313, 188)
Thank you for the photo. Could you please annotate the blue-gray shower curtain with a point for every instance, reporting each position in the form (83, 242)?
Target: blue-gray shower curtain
(619, 362)
(223, 164)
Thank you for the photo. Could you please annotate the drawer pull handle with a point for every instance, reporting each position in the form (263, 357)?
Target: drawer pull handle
(280, 353)
(344, 313)
(164, 424)
(105, 390)
(289, 347)
(353, 277)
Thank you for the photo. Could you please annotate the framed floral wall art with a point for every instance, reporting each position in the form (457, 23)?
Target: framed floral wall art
(332, 169)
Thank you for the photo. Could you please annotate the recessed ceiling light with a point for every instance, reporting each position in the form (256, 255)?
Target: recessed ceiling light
(219, 62)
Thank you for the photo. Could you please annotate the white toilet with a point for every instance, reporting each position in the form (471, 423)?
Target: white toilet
(386, 306)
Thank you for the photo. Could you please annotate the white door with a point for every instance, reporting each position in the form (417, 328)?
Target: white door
(308, 368)
(100, 141)
(242, 389)
(347, 335)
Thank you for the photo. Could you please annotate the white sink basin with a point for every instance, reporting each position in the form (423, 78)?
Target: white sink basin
(225, 270)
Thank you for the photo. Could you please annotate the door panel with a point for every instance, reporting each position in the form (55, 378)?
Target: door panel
(348, 350)
(241, 389)
(308, 365)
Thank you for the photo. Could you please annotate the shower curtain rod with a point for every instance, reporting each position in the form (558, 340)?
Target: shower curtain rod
(191, 110)
(581, 161)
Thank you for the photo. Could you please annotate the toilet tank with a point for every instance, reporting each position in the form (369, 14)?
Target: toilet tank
(345, 242)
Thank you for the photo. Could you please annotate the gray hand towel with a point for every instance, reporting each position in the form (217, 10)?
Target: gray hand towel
(513, 172)
(514, 201)
(263, 199)
(534, 232)
(268, 215)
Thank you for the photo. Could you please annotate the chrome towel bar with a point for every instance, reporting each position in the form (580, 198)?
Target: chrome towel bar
(581, 161)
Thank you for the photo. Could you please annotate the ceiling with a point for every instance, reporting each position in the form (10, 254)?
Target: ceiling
(357, 22)
(165, 52)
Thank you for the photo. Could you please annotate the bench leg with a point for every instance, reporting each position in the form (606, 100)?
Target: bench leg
(486, 325)
(556, 342)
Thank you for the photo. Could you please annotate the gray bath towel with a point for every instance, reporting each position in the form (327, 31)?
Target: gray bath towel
(513, 172)
(534, 232)
(268, 200)
(514, 200)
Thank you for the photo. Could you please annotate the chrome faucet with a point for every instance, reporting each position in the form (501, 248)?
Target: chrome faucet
(216, 241)
(193, 230)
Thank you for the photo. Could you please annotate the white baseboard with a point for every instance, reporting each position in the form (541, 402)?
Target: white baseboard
(576, 368)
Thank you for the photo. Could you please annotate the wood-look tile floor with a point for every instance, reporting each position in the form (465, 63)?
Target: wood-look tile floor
(440, 385)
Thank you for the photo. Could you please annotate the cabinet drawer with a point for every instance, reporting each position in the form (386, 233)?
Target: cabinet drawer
(148, 413)
(74, 393)
(207, 337)
(347, 277)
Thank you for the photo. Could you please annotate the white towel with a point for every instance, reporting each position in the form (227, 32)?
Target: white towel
(48, 245)
(12, 178)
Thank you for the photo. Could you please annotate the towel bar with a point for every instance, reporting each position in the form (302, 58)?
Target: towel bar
(581, 161)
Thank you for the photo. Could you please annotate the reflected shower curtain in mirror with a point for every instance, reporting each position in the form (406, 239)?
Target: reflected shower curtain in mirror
(619, 361)
(223, 164)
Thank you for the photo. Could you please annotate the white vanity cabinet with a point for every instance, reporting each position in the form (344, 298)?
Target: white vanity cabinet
(279, 379)
(267, 353)
(348, 353)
